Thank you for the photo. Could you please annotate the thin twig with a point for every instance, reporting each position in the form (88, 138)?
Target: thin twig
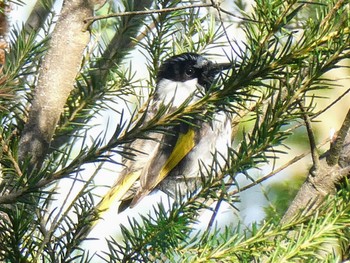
(311, 135)
(274, 172)
(236, 16)
(71, 205)
(144, 33)
(215, 211)
(331, 104)
(263, 178)
(90, 20)
(320, 112)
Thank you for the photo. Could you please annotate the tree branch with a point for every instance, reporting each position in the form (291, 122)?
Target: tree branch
(322, 181)
(337, 145)
(317, 186)
(311, 135)
(56, 80)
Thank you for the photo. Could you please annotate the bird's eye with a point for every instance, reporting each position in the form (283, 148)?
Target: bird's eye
(189, 71)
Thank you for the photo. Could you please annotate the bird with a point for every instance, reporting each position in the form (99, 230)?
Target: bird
(170, 160)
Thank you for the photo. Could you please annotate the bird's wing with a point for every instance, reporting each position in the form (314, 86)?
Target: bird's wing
(163, 163)
(154, 161)
(146, 150)
(133, 168)
(151, 170)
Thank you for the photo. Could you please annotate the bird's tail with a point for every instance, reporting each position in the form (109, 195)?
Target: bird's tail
(184, 144)
(115, 194)
(117, 191)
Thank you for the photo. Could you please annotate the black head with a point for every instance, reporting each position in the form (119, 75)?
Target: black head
(187, 66)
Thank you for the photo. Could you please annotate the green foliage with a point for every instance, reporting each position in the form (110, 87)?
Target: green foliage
(309, 238)
(280, 194)
(280, 65)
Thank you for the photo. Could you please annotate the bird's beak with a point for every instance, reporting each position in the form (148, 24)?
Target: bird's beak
(211, 71)
(225, 66)
(216, 68)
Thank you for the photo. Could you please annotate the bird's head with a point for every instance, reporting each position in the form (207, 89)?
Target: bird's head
(189, 66)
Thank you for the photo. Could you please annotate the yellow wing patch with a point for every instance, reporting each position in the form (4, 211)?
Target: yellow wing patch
(183, 146)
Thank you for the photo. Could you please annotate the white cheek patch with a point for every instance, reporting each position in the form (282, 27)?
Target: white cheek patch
(176, 92)
(202, 62)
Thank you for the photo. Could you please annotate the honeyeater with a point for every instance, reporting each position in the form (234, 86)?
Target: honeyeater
(170, 160)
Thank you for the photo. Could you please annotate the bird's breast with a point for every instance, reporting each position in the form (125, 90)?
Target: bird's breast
(177, 92)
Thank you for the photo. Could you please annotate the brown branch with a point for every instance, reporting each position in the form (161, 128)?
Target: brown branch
(317, 186)
(311, 135)
(323, 181)
(337, 145)
(56, 80)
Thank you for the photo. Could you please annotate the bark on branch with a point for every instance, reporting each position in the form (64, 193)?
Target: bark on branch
(56, 80)
(321, 181)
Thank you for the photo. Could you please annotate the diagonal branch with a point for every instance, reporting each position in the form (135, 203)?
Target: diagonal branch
(56, 80)
(311, 135)
(322, 182)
